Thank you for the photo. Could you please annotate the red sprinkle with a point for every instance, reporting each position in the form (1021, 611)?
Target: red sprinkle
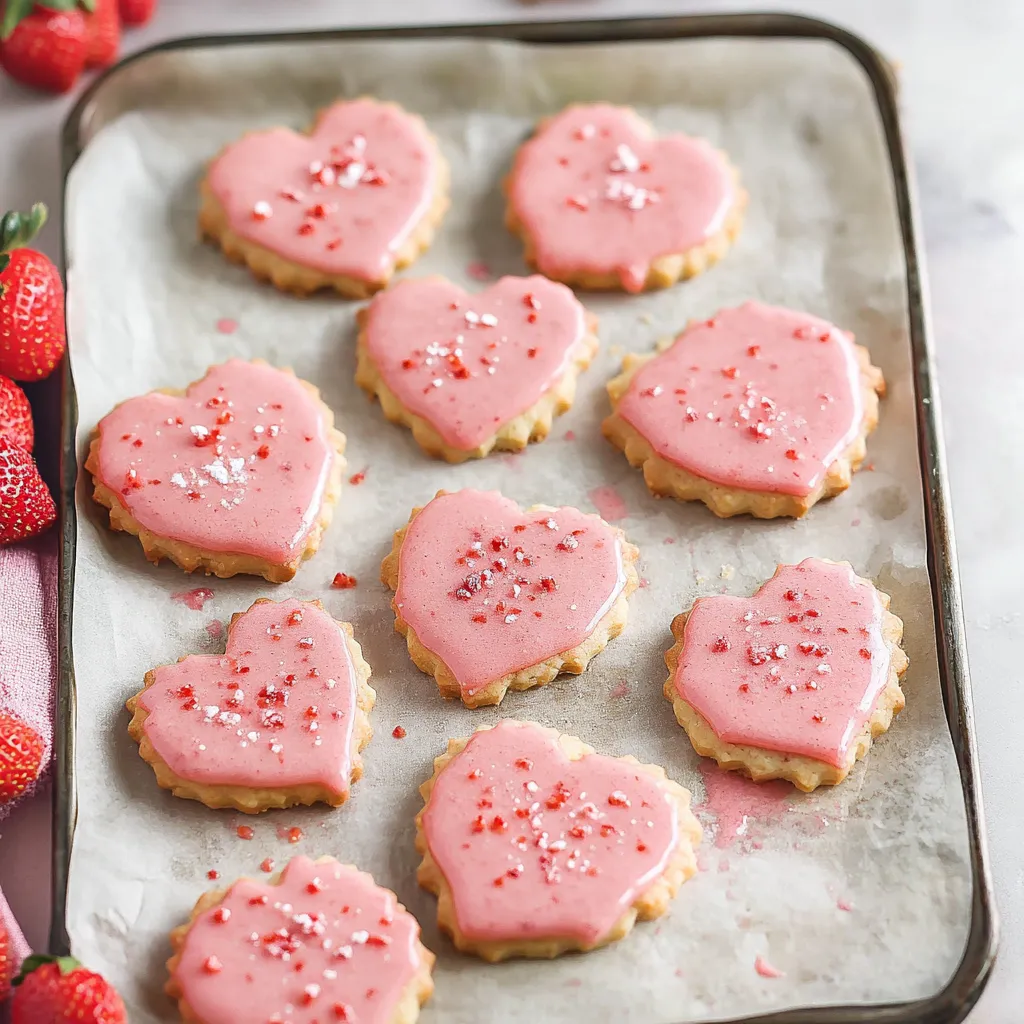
(357, 478)
(499, 824)
(295, 835)
(227, 326)
(720, 645)
(524, 764)
(865, 653)
(261, 900)
(531, 353)
(244, 832)
(618, 799)
(212, 965)
(213, 874)
(730, 372)
(342, 581)
(267, 865)
(222, 915)
(398, 732)
(753, 350)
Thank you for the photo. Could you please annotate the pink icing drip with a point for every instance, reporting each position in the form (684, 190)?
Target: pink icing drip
(241, 960)
(596, 193)
(766, 970)
(342, 200)
(609, 503)
(255, 488)
(740, 806)
(799, 674)
(533, 844)
(194, 599)
(485, 621)
(245, 718)
(753, 398)
(469, 363)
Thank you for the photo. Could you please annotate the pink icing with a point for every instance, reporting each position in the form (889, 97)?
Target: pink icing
(609, 503)
(491, 589)
(342, 200)
(766, 970)
(194, 599)
(325, 945)
(797, 668)
(534, 845)
(759, 397)
(276, 709)
(741, 807)
(238, 464)
(596, 193)
(469, 363)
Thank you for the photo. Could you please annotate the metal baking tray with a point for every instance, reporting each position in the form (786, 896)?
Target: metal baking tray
(101, 103)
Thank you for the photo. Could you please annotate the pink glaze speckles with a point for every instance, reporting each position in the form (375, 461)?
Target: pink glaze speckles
(467, 364)
(342, 200)
(759, 397)
(797, 668)
(277, 709)
(326, 944)
(491, 589)
(741, 808)
(536, 846)
(596, 193)
(238, 464)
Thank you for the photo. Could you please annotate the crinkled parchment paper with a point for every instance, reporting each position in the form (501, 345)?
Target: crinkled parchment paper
(821, 234)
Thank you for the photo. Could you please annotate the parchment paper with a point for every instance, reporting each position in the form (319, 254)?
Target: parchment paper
(821, 234)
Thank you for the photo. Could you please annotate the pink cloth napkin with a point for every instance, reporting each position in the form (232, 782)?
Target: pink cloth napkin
(28, 655)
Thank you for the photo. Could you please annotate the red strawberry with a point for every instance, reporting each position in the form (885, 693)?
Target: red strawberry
(15, 415)
(52, 990)
(6, 964)
(26, 507)
(44, 47)
(137, 12)
(102, 35)
(32, 333)
(21, 756)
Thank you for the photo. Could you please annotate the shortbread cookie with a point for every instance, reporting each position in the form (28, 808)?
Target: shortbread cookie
(317, 943)
(279, 719)
(601, 202)
(792, 683)
(238, 474)
(491, 598)
(472, 373)
(342, 207)
(535, 845)
(760, 409)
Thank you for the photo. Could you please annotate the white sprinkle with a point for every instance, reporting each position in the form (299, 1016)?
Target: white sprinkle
(625, 159)
(178, 480)
(489, 320)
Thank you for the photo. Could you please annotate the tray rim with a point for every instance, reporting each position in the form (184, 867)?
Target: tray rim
(951, 1004)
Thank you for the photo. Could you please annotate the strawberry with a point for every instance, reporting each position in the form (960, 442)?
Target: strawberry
(102, 34)
(15, 415)
(59, 990)
(44, 47)
(21, 756)
(136, 12)
(32, 332)
(26, 507)
(6, 964)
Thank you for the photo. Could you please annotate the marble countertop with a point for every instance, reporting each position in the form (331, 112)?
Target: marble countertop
(963, 100)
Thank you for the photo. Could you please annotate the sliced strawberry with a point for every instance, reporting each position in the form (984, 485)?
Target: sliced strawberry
(15, 415)
(44, 47)
(26, 507)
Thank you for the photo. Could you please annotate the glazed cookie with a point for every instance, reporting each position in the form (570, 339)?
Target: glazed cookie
(473, 373)
(318, 942)
(342, 207)
(535, 845)
(760, 409)
(279, 719)
(238, 474)
(793, 683)
(491, 598)
(601, 202)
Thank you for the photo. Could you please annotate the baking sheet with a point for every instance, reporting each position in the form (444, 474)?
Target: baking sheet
(821, 233)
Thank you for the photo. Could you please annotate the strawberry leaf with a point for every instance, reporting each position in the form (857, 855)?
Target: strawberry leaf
(89, 5)
(66, 964)
(18, 229)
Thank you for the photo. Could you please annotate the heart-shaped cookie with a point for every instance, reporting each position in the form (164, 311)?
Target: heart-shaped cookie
(342, 207)
(602, 203)
(237, 475)
(470, 373)
(537, 845)
(318, 943)
(278, 719)
(490, 597)
(794, 682)
(759, 409)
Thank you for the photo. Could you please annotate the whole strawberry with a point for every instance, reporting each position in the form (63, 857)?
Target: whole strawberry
(44, 46)
(6, 964)
(26, 507)
(21, 756)
(15, 415)
(137, 12)
(52, 990)
(102, 34)
(32, 331)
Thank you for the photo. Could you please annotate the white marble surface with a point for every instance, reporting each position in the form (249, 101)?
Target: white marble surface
(963, 98)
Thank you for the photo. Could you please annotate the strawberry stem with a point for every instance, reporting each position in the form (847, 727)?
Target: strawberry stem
(67, 964)
(18, 229)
